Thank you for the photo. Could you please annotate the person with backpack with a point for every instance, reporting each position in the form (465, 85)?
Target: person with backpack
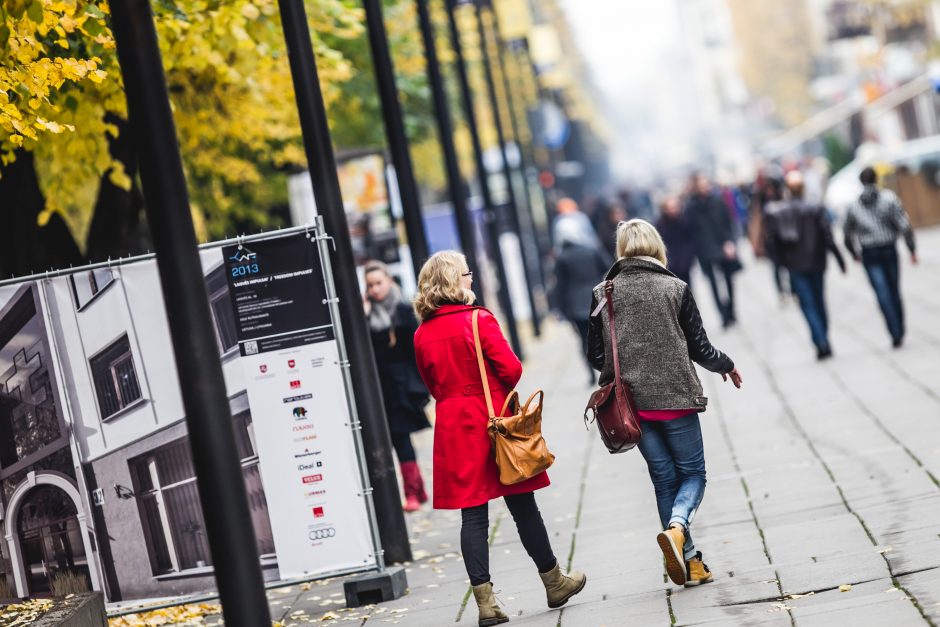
(872, 227)
(798, 234)
(659, 334)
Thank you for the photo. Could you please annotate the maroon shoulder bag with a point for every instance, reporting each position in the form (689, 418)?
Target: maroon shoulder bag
(612, 405)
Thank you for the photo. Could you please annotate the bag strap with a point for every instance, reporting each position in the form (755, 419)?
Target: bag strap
(612, 321)
(479, 350)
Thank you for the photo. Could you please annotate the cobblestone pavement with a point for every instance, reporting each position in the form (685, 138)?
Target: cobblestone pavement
(823, 499)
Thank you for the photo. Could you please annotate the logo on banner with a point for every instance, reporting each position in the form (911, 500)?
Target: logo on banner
(306, 438)
(300, 413)
(314, 493)
(263, 368)
(310, 466)
(294, 399)
(318, 511)
(295, 384)
(322, 533)
(307, 453)
(242, 255)
(291, 363)
(318, 362)
(251, 347)
(312, 479)
(297, 428)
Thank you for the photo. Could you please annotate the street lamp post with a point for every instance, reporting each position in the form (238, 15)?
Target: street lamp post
(395, 133)
(321, 163)
(489, 207)
(537, 254)
(445, 128)
(208, 418)
(525, 239)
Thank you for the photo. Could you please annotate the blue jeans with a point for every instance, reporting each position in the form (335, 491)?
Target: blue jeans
(808, 287)
(881, 264)
(675, 457)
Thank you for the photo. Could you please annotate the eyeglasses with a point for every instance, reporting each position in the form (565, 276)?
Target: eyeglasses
(469, 274)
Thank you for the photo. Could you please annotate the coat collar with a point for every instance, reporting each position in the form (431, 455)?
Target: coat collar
(452, 308)
(635, 264)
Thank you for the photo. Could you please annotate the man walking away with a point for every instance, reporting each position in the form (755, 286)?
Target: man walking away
(872, 227)
(679, 236)
(714, 243)
(578, 268)
(798, 234)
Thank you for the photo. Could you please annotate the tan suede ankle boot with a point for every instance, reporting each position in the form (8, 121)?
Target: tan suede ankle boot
(560, 587)
(490, 614)
(671, 542)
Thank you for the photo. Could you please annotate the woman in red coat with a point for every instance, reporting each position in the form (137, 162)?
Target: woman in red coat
(465, 472)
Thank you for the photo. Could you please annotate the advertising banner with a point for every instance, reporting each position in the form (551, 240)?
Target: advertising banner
(291, 363)
(94, 429)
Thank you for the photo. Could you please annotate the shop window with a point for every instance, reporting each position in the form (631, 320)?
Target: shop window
(115, 378)
(170, 511)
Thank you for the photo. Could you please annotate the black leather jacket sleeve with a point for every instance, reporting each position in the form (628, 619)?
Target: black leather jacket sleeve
(701, 349)
(595, 341)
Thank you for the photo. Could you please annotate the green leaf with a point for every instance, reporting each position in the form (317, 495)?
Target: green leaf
(70, 103)
(92, 27)
(4, 35)
(34, 12)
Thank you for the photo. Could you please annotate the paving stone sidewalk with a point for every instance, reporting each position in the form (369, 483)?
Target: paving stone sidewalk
(823, 500)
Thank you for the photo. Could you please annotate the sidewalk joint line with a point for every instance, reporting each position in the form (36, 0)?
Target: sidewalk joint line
(791, 415)
(582, 488)
(726, 434)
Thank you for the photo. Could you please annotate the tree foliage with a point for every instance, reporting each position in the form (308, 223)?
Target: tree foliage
(61, 101)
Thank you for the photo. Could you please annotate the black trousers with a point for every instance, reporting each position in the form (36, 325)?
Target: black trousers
(474, 540)
(725, 305)
(403, 447)
(582, 327)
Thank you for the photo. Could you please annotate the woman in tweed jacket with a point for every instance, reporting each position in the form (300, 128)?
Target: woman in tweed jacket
(660, 334)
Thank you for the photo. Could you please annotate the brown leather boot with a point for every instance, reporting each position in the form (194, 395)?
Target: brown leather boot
(560, 587)
(671, 542)
(490, 614)
(697, 571)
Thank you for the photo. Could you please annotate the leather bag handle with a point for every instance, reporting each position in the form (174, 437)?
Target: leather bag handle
(479, 349)
(509, 398)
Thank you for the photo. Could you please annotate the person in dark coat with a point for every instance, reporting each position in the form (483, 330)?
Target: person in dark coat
(714, 243)
(392, 325)
(466, 476)
(577, 270)
(798, 234)
(679, 236)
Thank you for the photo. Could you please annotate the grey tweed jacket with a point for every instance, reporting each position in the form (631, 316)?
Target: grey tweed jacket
(659, 332)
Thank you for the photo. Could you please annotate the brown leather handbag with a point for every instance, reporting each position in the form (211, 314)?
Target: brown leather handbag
(518, 445)
(612, 405)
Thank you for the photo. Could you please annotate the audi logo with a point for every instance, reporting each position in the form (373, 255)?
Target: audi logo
(321, 534)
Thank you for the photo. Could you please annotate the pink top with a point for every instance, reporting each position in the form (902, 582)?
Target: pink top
(664, 414)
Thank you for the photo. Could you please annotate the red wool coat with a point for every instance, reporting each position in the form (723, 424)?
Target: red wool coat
(465, 473)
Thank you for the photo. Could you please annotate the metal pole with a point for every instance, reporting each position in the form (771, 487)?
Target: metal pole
(537, 253)
(525, 240)
(445, 128)
(208, 417)
(395, 133)
(489, 208)
(368, 393)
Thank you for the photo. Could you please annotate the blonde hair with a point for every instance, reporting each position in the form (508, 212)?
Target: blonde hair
(439, 283)
(639, 238)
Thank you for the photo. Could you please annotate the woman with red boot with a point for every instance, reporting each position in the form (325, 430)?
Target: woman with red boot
(465, 473)
(392, 324)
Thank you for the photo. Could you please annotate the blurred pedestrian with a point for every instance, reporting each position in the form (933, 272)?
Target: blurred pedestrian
(714, 244)
(660, 334)
(606, 226)
(679, 236)
(768, 190)
(799, 235)
(872, 227)
(392, 325)
(578, 268)
(465, 472)
(573, 221)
